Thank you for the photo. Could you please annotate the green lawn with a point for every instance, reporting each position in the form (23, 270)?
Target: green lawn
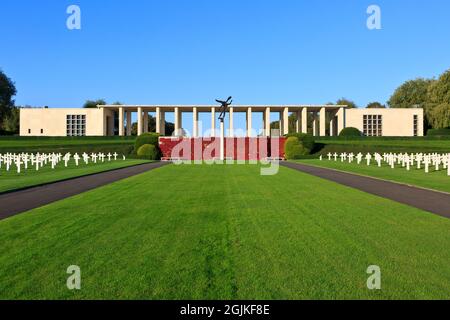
(225, 232)
(11, 180)
(382, 144)
(66, 144)
(438, 180)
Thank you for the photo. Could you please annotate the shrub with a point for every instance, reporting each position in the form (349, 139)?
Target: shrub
(306, 141)
(438, 132)
(350, 132)
(146, 138)
(148, 151)
(294, 149)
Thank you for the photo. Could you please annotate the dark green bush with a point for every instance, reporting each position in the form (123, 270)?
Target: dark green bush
(438, 132)
(306, 141)
(350, 132)
(146, 138)
(148, 151)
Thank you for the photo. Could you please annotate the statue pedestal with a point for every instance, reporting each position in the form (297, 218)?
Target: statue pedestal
(222, 141)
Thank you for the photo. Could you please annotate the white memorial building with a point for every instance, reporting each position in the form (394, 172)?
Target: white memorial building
(319, 120)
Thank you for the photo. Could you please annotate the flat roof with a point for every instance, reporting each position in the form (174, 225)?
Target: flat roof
(235, 107)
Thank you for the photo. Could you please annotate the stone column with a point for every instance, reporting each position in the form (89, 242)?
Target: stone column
(158, 120)
(285, 121)
(162, 125)
(305, 120)
(213, 122)
(230, 111)
(332, 134)
(121, 127)
(267, 121)
(315, 124)
(194, 122)
(322, 122)
(139, 121)
(176, 116)
(145, 129)
(249, 122)
(420, 130)
(129, 124)
(298, 121)
(340, 120)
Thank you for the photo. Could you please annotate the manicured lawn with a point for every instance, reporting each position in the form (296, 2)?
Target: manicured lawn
(11, 180)
(21, 142)
(122, 145)
(225, 232)
(438, 180)
(382, 144)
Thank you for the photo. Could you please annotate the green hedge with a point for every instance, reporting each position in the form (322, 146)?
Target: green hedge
(439, 132)
(146, 138)
(305, 140)
(298, 145)
(148, 151)
(350, 132)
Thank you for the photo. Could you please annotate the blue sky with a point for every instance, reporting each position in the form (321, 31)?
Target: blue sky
(190, 52)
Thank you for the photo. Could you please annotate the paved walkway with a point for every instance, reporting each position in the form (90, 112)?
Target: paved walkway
(432, 201)
(24, 200)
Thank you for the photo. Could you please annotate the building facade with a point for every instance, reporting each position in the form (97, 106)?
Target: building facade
(320, 120)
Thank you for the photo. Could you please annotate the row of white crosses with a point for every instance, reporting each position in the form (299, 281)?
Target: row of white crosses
(39, 160)
(406, 160)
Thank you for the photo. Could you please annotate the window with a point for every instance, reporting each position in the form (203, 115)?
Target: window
(373, 125)
(42, 131)
(416, 125)
(75, 125)
(29, 131)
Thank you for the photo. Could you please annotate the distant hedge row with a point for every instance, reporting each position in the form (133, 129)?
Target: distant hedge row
(439, 132)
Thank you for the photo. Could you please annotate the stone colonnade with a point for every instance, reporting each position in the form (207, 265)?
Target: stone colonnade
(313, 119)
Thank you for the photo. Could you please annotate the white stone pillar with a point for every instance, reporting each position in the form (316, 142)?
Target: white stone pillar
(121, 127)
(285, 121)
(145, 129)
(249, 122)
(315, 124)
(298, 121)
(340, 120)
(162, 125)
(222, 141)
(420, 130)
(158, 120)
(305, 120)
(213, 122)
(230, 112)
(176, 116)
(322, 122)
(267, 121)
(129, 124)
(332, 133)
(194, 122)
(139, 121)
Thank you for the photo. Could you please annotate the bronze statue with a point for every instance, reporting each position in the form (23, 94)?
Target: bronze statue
(224, 107)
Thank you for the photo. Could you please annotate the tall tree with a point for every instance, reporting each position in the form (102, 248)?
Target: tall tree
(411, 94)
(93, 103)
(437, 107)
(375, 105)
(347, 102)
(11, 121)
(7, 92)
